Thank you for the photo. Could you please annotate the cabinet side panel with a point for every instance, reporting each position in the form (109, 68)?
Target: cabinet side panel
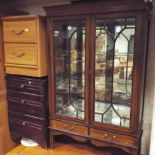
(42, 47)
(2, 72)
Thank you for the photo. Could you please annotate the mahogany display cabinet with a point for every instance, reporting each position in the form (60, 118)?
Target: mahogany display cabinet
(97, 72)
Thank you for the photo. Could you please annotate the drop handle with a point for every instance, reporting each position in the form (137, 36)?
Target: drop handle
(20, 32)
(18, 55)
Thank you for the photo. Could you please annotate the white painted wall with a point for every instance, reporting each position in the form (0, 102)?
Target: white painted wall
(152, 142)
(150, 95)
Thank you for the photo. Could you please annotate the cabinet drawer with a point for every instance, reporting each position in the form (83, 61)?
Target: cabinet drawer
(26, 96)
(112, 137)
(21, 54)
(69, 127)
(26, 126)
(29, 85)
(26, 107)
(20, 31)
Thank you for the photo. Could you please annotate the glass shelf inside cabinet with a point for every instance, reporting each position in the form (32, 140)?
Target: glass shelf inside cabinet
(69, 48)
(113, 70)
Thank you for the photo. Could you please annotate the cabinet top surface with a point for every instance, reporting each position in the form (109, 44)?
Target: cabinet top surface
(21, 17)
(97, 7)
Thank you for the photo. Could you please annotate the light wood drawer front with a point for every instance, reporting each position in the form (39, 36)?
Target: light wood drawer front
(112, 137)
(20, 31)
(24, 54)
(69, 127)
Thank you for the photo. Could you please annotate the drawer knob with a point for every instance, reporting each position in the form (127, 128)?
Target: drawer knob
(23, 101)
(114, 137)
(26, 30)
(22, 86)
(30, 82)
(23, 123)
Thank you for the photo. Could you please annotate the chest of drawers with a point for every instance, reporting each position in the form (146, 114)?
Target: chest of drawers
(25, 45)
(28, 109)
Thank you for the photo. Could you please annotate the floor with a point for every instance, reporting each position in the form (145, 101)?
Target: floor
(63, 148)
(66, 149)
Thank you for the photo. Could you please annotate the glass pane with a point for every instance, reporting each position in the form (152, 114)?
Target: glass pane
(113, 70)
(69, 49)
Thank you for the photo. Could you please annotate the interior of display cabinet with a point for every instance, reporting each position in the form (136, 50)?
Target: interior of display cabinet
(70, 68)
(114, 48)
(114, 54)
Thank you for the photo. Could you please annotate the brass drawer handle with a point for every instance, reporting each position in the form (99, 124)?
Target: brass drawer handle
(18, 55)
(20, 32)
(69, 128)
(111, 138)
(66, 127)
(72, 128)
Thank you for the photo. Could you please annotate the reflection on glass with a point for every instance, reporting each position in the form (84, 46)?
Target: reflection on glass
(113, 70)
(69, 51)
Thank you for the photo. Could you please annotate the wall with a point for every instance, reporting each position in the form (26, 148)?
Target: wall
(152, 142)
(150, 93)
(34, 6)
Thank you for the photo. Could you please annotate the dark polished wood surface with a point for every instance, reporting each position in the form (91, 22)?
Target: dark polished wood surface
(28, 108)
(102, 134)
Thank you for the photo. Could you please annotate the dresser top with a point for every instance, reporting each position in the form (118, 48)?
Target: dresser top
(21, 17)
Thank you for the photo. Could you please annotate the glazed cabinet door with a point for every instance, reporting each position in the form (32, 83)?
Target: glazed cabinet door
(113, 57)
(69, 65)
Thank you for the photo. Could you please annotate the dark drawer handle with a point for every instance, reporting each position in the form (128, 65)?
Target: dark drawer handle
(20, 32)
